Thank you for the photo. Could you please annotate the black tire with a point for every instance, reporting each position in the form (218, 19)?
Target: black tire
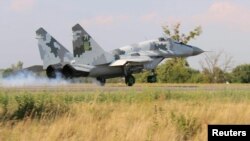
(102, 81)
(130, 80)
(152, 79)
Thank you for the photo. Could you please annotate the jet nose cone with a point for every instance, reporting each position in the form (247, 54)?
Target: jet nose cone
(197, 51)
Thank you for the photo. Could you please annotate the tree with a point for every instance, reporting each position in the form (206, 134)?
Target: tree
(14, 67)
(215, 68)
(177, 70)
(7, 72)
(174, 33)
(19, 65)
(241, 74)
(142, 77)
(174, 71)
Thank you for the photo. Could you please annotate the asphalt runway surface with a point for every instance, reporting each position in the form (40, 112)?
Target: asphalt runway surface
(123, 87)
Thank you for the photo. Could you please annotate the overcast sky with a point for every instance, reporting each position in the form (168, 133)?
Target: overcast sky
(115, 23)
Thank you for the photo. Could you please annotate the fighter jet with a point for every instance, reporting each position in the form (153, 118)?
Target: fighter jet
(90, 60)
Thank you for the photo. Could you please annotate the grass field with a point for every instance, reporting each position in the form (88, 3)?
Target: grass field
(145, 112)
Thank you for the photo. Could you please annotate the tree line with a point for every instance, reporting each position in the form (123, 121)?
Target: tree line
(178, 71)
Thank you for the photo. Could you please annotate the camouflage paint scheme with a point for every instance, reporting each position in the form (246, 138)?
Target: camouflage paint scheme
(91, 60)
(86, 50)
(51, 51)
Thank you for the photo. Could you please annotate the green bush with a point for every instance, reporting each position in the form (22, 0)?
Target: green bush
(241, 74)
(40, 106)
(175, 70)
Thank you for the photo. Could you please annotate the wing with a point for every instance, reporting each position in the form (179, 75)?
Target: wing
(138, 60)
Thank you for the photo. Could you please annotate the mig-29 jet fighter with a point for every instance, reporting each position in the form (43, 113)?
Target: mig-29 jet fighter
(90, 60)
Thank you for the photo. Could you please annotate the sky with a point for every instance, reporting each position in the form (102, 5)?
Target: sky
(116, 23)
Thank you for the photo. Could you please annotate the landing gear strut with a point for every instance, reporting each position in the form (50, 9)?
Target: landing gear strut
(130, 80)
(152, 78)
(101, 81)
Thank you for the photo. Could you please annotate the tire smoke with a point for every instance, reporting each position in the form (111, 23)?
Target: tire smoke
(27, 78)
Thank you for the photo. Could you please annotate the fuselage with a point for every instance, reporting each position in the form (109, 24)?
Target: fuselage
(157, 50)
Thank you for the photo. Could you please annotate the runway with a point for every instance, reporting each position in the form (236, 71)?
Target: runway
(122, 87)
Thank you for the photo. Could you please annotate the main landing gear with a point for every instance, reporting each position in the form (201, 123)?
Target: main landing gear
(130, 80)
(101, 81)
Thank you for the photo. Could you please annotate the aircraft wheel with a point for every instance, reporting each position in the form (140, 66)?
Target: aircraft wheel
(152, 79)
(130, 80)
(101, 81)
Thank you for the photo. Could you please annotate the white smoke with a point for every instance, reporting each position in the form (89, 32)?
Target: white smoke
(27, 78)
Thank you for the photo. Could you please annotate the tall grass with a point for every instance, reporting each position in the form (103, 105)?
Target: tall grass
(145, 115)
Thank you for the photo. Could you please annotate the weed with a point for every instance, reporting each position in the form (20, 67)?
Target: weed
(4, 101)
(187, 127)
(30, 106)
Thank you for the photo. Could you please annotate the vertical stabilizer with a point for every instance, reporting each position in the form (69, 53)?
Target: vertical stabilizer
(86, 50)
(51, 51)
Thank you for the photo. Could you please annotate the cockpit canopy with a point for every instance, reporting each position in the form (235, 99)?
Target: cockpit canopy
(165, 39)
(162, 39)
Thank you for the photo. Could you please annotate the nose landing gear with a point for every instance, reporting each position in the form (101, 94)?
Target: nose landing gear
(152, 78)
